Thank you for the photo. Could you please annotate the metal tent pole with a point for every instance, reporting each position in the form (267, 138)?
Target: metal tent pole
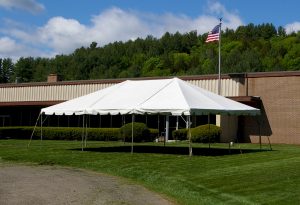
(82, 135)
(41, 127)
(85, 133)
(158, 134)
(190, 136)
(269, 143)
(33, 130)
(167, 127)
(132, 120)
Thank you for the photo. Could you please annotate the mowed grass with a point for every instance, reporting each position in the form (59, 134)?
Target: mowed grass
(211, 176)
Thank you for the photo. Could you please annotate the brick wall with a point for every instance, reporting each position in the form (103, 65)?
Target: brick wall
(280, 120)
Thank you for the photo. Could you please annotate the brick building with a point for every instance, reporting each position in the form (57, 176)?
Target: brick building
(277, 94)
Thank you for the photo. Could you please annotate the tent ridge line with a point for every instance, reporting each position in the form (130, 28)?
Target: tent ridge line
(181, 92)
(109, 93)
(171, 80)
(202, 90)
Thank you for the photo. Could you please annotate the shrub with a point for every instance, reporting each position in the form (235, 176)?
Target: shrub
(140, 132)
(60, 133)
(104, 134)
(206, 133)
(180, 134)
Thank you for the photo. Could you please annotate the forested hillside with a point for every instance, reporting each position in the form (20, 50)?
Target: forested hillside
(250, 48)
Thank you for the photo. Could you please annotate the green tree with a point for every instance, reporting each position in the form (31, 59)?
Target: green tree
(6, 70)
(24, 69)
(181, 63)
(281, 31)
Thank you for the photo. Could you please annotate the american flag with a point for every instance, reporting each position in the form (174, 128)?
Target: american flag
(214, 34)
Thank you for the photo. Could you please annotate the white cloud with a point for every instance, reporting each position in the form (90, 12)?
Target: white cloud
(28, 5)
(116, 24)
(8, 45)
(11, 49)
(61, 35)
(292, 27)
(230, 19)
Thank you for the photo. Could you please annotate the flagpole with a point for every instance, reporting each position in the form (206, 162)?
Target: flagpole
(219, 78)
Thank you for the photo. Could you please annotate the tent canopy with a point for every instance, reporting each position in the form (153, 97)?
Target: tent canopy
(168, 97)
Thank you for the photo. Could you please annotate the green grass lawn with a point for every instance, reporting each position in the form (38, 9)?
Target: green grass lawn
(211, 176)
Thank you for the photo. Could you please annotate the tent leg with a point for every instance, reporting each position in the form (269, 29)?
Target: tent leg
(190, 136)
(260, 142)
(41, 127)
(259, 133)
(85, 133)
(33, 130)
(238, 142)
(132, 120)
(99, 120)
(167, 127)
(177, 125)
(269, 143)
(165, 134)
(186, 123)
(158, 135)
(82, 135)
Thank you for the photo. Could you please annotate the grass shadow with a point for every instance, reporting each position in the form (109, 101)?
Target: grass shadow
(172, 150)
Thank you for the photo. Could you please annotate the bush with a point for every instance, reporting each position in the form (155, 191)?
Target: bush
(180, 134)
(104, 134)
(60, 133)
(140, 132)
(206, 133)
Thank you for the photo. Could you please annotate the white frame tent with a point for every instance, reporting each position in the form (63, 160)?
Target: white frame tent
(163, 97)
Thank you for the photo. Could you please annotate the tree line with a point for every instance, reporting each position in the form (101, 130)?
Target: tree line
(250, 48)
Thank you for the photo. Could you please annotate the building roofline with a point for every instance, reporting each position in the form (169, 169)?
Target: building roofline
(110, 81)
(30, 103)
(191, 77)
(273, 74)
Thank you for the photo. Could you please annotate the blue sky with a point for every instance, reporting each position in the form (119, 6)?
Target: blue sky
(47, 27)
